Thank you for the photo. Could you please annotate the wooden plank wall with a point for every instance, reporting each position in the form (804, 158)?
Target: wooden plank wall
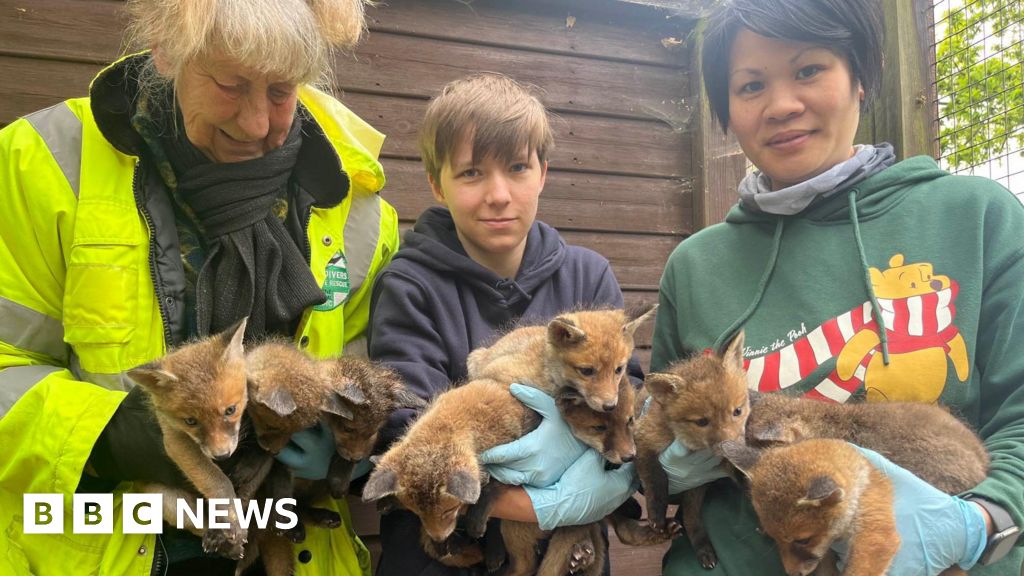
(615, 76)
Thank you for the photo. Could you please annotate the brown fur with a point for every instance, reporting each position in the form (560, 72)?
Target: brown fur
(923, 438)
(378, 392)
(571, 549)
(810, 494)
(586, 351)
(700, 402)
(198, 394)
(433, 470)
(611, 435)
(290, 392)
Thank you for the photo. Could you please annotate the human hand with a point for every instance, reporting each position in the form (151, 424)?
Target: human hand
(309, 452)
(585, 493)
(131, 446)
(687, 469)
(540, 457)
(936, 530)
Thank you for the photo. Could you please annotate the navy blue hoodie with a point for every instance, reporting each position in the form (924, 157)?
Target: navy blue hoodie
(433, 305)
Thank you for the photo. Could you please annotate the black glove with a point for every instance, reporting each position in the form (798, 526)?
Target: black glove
(131, 447)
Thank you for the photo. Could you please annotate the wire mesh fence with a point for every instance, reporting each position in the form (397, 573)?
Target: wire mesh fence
(979, 88)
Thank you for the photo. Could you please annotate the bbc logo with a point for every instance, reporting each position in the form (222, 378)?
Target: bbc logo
(93, 513)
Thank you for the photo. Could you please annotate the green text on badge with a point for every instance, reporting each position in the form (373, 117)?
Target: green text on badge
(336, 286)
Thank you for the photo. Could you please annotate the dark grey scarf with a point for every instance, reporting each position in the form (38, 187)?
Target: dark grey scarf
(253, 267)
(757, 195)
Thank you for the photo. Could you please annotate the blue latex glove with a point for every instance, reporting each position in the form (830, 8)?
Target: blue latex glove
(362, 468)
(309, 452)
(540, 457)
(686, 470)
(936, 530)
(585, 493)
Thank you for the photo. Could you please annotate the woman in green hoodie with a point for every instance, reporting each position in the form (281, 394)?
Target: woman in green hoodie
(854, 276)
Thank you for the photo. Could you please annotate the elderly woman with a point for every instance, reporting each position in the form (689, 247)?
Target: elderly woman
(855, 276)
(200, 182)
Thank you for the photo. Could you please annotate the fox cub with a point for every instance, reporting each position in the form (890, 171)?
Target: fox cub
(434, 471)
(923, 438)
(813, 493)
(586, 351)
(289, 392)
(700, 402)
(198, 394)
(576, 549)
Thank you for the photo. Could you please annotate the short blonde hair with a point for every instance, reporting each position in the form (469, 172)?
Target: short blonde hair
(498, 113)
(291, 39)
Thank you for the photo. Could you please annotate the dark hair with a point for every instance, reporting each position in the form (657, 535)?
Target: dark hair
(853, 29)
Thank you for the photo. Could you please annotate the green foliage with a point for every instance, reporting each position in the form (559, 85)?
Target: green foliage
(980, 80)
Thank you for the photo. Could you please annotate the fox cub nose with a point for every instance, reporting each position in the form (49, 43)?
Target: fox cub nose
(609, 406)
(628, 458)
(221, 457)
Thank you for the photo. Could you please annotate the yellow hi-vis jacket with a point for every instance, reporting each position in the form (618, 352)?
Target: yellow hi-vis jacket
(88, 291)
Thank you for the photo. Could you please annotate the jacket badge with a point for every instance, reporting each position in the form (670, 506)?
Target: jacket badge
(336, 285)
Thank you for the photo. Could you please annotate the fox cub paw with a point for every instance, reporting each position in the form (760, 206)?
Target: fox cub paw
(582, 557)
(229, 542)
(707, 557)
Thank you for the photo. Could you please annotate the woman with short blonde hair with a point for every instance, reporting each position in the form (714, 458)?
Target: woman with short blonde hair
(203, 180)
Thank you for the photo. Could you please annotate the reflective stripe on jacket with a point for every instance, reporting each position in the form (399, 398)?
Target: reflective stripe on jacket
(85, 296)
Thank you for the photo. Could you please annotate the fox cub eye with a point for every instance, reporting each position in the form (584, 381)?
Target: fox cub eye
(230, 411)
(802, 542)
(191, 421)
(702, 422)
(619, 369)
(599, 428)
(586, 371)
(737, 411)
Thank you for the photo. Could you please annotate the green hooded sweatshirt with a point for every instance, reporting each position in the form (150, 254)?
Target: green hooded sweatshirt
(937, 259)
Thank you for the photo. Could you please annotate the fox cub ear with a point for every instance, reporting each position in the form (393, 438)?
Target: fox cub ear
(334, 403)
(382, 482)
(663, 386)
(232, 338)
(151, 376)
(823, 491)
(279, 400)
(463, 485)
(630, 327)
(740, 455)
(563, 332)
(405, 399)
(733, 355)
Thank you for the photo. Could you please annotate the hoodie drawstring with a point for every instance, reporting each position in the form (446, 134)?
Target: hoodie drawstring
(773, 258)
(876, 310)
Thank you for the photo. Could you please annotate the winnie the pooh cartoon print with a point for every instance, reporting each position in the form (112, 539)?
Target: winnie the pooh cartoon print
(917, 309)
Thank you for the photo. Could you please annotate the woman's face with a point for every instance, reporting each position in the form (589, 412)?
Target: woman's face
(794, 107)
(233, 113)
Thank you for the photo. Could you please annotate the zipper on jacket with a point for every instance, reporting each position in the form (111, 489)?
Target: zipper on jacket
(160, 564)
(152, 253)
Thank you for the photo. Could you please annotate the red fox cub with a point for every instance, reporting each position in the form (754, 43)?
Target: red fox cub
(586, 351)
(289, 392)
(576, 549)
(813, 493)
(199, 393)
(434, 471)
(923, 438)
(378, 392)
(700, 402)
